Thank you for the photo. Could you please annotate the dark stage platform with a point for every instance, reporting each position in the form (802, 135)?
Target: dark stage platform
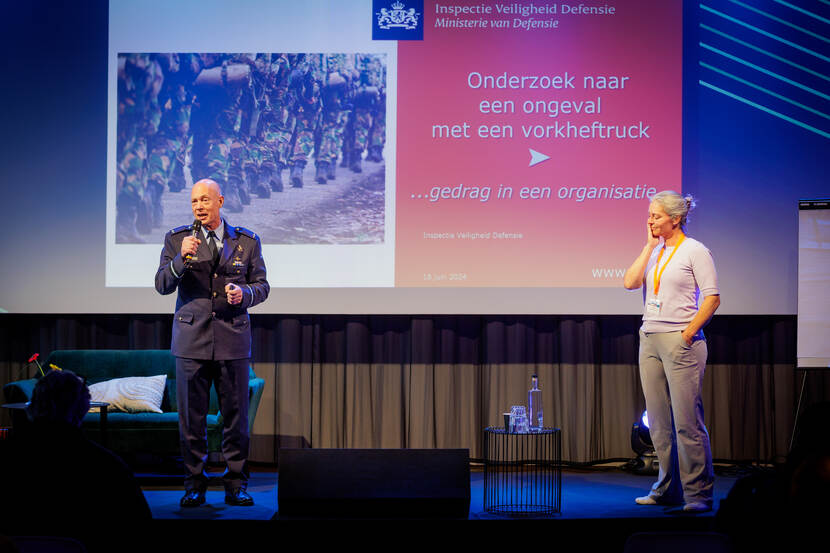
(598, 514)
(586, 494)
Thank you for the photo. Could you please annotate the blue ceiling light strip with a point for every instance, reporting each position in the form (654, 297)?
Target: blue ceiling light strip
(765, 33)
(765, 52)
(802, 10)
(765, 90)
(765, 71)
(765, 109)
(779, 20)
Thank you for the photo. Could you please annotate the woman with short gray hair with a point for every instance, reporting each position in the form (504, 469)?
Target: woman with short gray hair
(676, 271)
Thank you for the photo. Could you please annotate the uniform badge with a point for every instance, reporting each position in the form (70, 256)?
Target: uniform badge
(237, 260)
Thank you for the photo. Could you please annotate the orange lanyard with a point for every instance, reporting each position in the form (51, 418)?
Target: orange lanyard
(659, 274)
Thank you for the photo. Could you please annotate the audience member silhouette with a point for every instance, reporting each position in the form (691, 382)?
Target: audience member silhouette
(787, 507)
(54, 479)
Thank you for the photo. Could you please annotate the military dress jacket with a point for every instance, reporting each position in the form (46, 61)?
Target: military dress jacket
(205, 325)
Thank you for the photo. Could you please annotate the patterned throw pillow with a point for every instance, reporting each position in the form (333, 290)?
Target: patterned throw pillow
(134, 394)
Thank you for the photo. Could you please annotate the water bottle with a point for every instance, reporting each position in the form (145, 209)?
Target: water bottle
(534, 403)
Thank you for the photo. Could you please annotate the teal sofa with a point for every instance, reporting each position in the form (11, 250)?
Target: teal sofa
(133, 433)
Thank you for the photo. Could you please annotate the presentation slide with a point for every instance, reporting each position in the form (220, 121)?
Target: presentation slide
(519, 133)
(526, 132)
(411, 156)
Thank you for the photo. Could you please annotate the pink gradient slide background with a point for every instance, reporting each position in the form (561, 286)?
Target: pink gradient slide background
(563, 240)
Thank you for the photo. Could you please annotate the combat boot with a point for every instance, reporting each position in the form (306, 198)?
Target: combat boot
(346, 155)
(144, 214)
(276, 178)
(244, 195)
(322, 170)
(355, 164)
(331, 169)
(155, 200)
(297, 175)
(126, 212)
(256, 185)
(232, 201)
(176, 182)
(375, 154)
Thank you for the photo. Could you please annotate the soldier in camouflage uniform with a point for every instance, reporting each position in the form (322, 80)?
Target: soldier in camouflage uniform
(377, 134)
(251, 115)
(305, 106)
(139, 81)
(365, 99)
(282, 99)
(221, 89)
(332, 123)
(268, 134)
(168, 148)
(246, 135)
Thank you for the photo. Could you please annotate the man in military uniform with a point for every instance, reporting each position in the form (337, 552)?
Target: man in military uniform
(366, 97)
(168, 147)
(305, 108)
(219, 273)
(331, 127)
(139, 81)
(221, 88)
(377, 134)
(263, 123)
(278, 121)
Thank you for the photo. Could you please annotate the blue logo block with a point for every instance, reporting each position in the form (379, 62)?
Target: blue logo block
(397, 19)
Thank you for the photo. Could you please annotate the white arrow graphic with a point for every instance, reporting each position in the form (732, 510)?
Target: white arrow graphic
(536, 157)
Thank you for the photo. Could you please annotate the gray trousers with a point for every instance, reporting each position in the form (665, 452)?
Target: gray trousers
(193, 380)
(672, 376)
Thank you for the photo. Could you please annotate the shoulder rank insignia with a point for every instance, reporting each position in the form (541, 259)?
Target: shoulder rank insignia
(246, 232)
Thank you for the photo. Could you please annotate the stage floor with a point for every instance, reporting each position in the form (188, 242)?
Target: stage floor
(586, 494)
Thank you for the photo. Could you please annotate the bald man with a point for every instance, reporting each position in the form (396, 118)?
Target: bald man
(219, 273)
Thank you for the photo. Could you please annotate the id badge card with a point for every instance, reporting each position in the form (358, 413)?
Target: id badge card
(653, 306)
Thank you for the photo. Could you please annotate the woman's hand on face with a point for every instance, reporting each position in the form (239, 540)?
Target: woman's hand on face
(651, 240)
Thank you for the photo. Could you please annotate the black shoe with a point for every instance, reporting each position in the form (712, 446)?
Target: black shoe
(297, 176)
(322, 169)
(238, 497)
(232, 202)
(355, 163)
(192, 498)
(276, 178)
(375, 154)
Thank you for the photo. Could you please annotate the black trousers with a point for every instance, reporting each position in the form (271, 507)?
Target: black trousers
(193, 380)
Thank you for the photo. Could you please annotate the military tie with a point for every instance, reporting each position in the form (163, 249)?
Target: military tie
(214, 251)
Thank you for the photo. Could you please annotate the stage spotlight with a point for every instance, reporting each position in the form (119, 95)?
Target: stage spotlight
(646, 462)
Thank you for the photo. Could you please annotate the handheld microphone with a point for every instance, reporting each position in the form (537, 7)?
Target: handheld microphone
(197, 226)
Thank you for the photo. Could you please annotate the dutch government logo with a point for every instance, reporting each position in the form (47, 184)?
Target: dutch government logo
(398, 20)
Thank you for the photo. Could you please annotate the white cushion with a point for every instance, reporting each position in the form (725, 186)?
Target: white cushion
(134, 394)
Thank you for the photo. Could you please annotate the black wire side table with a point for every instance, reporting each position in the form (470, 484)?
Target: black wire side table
(523, 472)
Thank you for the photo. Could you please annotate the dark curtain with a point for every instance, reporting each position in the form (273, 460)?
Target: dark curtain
(386, 381)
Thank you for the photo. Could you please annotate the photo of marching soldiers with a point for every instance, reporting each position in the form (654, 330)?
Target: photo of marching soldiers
(296, 142)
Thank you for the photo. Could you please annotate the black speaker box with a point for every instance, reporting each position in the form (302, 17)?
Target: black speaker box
(378, 483)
